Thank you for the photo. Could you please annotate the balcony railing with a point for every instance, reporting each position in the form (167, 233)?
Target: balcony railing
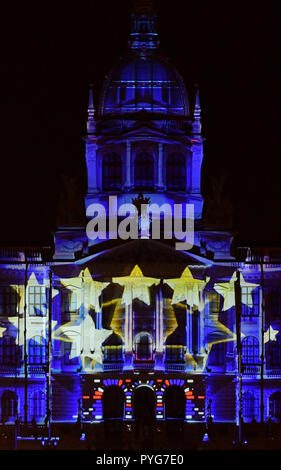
(251, 370)
(174, 367)
(37, 369)
(9, 370)
(111, 367)
(143, 365)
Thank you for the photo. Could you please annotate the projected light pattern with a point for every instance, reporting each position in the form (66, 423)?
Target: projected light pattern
(93, 399)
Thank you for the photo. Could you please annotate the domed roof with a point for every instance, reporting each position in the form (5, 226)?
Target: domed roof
(144, 81)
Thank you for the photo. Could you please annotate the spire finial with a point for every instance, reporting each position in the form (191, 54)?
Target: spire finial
(197, 112)
(91, 124)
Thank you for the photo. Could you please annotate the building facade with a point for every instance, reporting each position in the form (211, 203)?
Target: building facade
(107, 328)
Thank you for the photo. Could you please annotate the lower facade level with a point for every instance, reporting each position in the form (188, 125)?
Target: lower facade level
(131, 396)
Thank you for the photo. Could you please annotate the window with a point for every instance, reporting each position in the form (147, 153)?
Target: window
(37, 404)
(250, 297)
(174, 353)
(37, 301)
(9, 402)
(214, 301)
(250, 351)
(37, 350)
(70, 352)
(8, 351)
(217, 354)
(176, 172)
(250, 405)
(144, 171)
(273, 301)
(143, 347)
(112, 172)
(276, 352)
(275, 405)
(69, 302)
(113, 354)
(8, 301)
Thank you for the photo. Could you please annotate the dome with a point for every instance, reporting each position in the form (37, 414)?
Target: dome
(144, 82)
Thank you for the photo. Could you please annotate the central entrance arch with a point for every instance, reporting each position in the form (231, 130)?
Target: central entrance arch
(144, 411)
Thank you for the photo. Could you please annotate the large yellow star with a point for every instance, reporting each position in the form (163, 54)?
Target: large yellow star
(136, 286)
(227, 290)
(86, 338)
(94, 289)
(187, 288)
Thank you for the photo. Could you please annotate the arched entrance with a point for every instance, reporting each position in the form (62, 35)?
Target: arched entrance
(113, 409)
(175, 402)
(9, 404)
(144, 412)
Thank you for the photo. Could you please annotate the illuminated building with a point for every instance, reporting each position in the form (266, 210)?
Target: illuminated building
(128, 322)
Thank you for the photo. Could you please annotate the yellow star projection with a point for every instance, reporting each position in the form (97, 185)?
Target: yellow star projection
(187, 288)
(95, 288)
(136, 286)
(270, 334)
(226, 289)
(117, 322)
(86, 339)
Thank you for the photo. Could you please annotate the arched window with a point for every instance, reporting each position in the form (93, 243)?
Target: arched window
(112, 172)
(250, 405)
(143, 347)
(37, 350)
(37, 404)
(276, 352)
(275, 405)
(250, 350)
(144, 171)
(176, 172)
(9, 404)
(8, 351)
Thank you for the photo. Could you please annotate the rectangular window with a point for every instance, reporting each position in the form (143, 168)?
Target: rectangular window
(250, 297)
(113, 354)
(217, 354)
(273, 302)
(174, 354)
(214, 301)
(37, 301)
(69, 302)
(70, 353)
(8, 301)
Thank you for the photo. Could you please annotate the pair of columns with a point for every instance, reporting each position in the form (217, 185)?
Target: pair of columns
(129, 326)
(91, 158)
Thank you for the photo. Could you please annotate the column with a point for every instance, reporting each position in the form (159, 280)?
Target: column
(160, 184)
(159, 321)
(128, 165)
(188, 330)
(128, 353)
(91, 159)
(159, 353)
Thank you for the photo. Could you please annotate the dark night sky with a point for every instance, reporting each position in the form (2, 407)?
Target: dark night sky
(50, 54)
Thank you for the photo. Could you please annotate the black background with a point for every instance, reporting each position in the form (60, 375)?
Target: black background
(52, 52)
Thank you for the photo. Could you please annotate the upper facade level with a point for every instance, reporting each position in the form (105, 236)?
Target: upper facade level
(142, 137)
